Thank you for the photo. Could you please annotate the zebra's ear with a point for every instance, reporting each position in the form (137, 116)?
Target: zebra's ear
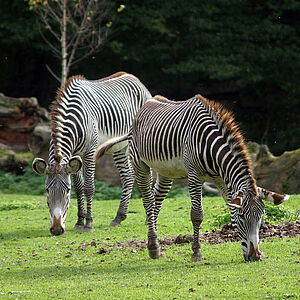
(74, 165)
(40, 166)
(272, 196)
(237, 201)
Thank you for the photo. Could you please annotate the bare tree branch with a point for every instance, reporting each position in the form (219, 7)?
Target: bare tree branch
(78, 28)
(52, 73)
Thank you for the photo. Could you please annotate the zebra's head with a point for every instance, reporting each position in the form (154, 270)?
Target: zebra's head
(246, 215)
(58, 188)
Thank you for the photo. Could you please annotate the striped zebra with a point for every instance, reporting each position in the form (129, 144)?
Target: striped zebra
(85, 114)
(195, 139)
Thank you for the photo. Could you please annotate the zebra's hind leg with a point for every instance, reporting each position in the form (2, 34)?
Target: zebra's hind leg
(127, 178)
(78, 185)
(197, 213)
(144, 181)
(160, 190)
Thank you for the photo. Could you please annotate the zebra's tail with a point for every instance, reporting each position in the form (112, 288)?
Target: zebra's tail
(111, 146)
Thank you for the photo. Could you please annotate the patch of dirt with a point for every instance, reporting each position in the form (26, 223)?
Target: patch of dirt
(226, 234)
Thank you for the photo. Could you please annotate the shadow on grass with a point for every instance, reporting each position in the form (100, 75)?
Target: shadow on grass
(144, 267)
(25, 234)
(32, 233)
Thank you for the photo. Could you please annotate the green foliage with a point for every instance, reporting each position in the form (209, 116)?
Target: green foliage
(29, 183)
(277, 214)
(32, 184)
(248, 50)
(105, 191)
(221, 218)
(24, 156)
(273, 214)
(252, 46)
(18, 26)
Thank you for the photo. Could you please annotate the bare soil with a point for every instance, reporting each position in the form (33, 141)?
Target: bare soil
(226, 234)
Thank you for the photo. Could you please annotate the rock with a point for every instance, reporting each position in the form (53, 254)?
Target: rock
(10, 161)
(18, 118)
(276, 173)
(107, 171)
(40, 140)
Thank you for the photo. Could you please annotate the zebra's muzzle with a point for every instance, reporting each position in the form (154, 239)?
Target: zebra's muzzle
(254, 254)
(57, 227)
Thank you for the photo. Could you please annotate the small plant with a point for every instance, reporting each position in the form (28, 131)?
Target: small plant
(221, 218)
(273, 214)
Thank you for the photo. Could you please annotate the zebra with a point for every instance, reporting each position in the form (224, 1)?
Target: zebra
(85, 114)
(199, 140)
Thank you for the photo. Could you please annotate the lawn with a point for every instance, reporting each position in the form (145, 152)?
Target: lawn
(100, 265)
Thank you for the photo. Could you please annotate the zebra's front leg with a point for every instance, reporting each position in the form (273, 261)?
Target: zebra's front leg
(144, 181)
(89, 190)
(127, 179)
(78, 185)
(197, 213)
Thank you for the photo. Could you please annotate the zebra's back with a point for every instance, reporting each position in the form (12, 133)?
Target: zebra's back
(172, 136)
(86, 110)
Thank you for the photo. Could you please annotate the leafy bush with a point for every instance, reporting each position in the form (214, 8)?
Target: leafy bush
(278, 214)
(32, 184)
(29, 183)
(105, 191)
(221, 218)
(273, 214)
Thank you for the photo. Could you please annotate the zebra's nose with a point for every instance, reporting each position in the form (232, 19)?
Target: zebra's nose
(254, 253)
(57, 230)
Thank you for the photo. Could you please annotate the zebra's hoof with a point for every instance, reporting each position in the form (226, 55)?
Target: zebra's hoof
(88, 229)
(78, 226)
(115, 222)
(154, 253)
(197, 257)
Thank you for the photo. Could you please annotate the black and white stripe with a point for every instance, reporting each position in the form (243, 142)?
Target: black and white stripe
(195, 139)
(85, 114)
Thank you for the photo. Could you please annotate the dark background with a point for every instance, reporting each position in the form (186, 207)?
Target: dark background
(244, 54)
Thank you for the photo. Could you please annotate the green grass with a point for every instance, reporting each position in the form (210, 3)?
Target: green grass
(72, 267)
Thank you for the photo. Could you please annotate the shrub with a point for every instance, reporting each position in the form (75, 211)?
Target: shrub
(273, 214)
(29, 183)
(32, 184)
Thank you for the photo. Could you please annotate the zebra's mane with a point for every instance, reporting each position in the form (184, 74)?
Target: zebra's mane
(232, 134)
(118, 74)
(57, 110)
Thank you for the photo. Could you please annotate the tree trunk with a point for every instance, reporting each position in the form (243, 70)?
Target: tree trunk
(64, 54)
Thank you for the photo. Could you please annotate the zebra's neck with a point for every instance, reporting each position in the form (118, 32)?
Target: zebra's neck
(64, 118)
(61, 157)
(232, 159)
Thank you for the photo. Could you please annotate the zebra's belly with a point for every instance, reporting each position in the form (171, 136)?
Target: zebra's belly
(174, 168)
